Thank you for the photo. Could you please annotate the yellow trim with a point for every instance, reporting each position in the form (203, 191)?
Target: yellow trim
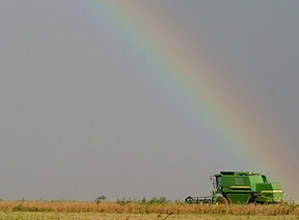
(240, 187)
(271, 191)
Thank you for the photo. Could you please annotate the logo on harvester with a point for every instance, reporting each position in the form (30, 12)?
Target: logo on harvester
(277, 196)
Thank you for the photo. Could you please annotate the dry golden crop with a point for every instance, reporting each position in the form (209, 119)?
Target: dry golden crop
(111, 216)
(146, 208)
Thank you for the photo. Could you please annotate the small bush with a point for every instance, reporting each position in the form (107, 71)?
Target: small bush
(100, 199)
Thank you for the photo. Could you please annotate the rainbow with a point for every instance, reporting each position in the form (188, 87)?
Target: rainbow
(178, 67)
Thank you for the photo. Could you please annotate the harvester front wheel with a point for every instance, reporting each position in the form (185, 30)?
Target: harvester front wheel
(189, 200)
(222, 200)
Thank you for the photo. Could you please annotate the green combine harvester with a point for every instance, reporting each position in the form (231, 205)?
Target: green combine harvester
(241, 188)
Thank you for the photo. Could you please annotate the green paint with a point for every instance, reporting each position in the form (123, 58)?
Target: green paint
(244, 187)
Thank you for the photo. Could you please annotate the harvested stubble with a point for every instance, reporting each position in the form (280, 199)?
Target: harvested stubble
(140, 208)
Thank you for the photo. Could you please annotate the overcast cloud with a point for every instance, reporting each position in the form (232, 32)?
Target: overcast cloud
(78, 120)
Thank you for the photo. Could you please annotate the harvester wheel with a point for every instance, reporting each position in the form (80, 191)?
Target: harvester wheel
(222, 200)
(189, 200)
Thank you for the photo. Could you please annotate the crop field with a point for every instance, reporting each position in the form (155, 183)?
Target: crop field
(92, 216)
(143, 210)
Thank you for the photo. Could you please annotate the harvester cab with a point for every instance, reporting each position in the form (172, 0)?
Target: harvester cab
(216, 181)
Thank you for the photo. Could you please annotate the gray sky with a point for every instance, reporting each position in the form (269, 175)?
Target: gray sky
(82, 115)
